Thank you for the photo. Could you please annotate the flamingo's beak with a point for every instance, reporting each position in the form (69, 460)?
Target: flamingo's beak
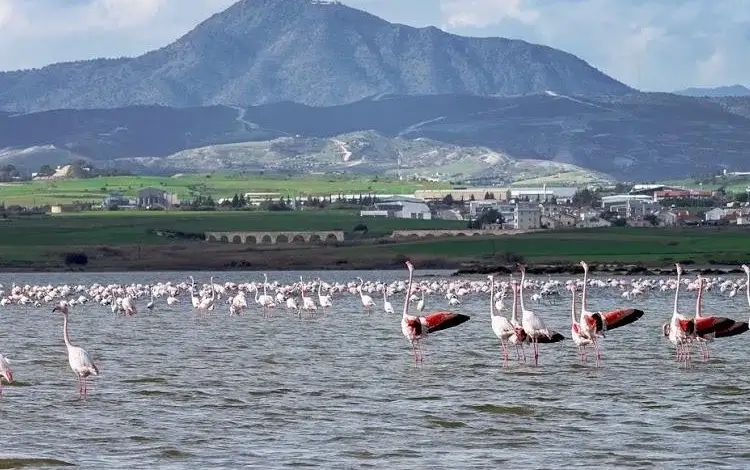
(55, 309)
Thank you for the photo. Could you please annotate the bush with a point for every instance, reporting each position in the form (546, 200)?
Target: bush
(76, 259)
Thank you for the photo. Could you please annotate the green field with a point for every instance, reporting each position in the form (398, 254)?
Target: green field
(65, 191)
(618, 245)
(131, 227)
(733, 184)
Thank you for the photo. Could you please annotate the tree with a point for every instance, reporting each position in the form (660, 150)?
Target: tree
(489, 216)
(584, 197)
(488, 195)
(448, 200)
(79, 259)
(46, 170)
(236, 201)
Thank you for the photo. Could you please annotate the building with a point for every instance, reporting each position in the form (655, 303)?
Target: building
(401, 208)
(462, 194)
(527, 217)
(155, 197)
(629, 205)
(558, 220)
(562, 195)
(682, 194)
(716, 214)
(477, 207)
(115, 200)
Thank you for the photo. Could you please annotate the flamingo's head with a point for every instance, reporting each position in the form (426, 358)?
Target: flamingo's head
(665, 328)
(679, 269)
(746, 268)
(521, 267)
(7, 374)
(62, 307)
(585, 266)
(410, 266)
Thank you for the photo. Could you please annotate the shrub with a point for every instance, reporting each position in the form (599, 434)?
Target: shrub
(76, 259)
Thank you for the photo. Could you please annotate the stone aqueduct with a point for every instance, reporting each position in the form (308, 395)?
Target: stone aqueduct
(272, 238)
(334, 236)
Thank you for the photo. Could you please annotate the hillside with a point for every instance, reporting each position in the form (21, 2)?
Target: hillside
(634, 137)
(311, 52)
(716, 92)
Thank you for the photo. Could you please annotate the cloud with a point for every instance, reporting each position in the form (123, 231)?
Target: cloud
(482, 13)
(651, 44)
(34, 33)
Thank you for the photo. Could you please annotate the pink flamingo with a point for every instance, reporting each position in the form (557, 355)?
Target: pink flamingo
(5, 373)
(733, 329)
(79, 360)
(534, 326)
(593, 324)
(500, 325)
(417, 328)
(581, 341)
(519, 336)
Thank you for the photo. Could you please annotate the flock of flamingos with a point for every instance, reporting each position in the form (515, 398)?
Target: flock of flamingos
(587, 328)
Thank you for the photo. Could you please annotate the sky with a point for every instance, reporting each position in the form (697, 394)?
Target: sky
(655, 45)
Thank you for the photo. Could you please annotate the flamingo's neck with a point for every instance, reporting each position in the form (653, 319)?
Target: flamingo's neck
(747, 288)
(513, 312)
(408, 293)
(583, 294)
(66, 337)
(699, 300)
(677, 292)
(520, 293)
(573, 307)
(492, 297)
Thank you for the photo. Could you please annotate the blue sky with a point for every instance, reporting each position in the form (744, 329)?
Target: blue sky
(649, 44)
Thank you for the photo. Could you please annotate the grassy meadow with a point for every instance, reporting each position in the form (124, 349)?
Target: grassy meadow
(658, 246)
(65, 191)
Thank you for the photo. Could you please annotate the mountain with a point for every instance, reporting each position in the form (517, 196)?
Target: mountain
(638, 136)
(717, 92)
(311, 52)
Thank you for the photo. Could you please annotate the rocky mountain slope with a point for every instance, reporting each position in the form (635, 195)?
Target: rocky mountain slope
(312, 52)
(634, 137)
(715, 92)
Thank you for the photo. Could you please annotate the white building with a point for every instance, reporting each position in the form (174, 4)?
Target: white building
(402, 208)
(527, 217)
(715, 214)
(630, 204)
(544, 194)
(477, 207)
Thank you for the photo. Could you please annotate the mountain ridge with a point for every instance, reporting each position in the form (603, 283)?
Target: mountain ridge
(638, 136)
(266, 51)
(715, 92)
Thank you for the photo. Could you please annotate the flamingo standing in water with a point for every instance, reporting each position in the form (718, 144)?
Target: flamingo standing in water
(534, 326)
(367, 301)
(387, 306)
(734, 329)
(417, 328)
(6, 375)
(79, 360)
(680, 330)
(519, 336)
(580, 340)
(593, 324)
(500, 325)
(324, 300)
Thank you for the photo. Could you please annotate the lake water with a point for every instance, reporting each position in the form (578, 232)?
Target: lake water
(183, 390)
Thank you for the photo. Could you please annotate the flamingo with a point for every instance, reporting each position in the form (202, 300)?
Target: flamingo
(193, 297)
(150, 304)
(6, 374)
(736, 327)
(417, 328)
(534, 326)
(367, 301)
(387, 306)
(500, 325)
(128, 306)
(596, 323)
(519, 336)
(680, 329)
(421, 303)
(580, 340)
(308, 304)
(323, 300)
(79, 360)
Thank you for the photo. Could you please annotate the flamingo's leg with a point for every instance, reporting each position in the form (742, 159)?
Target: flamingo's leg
(536, 353)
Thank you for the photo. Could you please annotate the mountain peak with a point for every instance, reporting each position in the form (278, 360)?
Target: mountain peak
(307, 51)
